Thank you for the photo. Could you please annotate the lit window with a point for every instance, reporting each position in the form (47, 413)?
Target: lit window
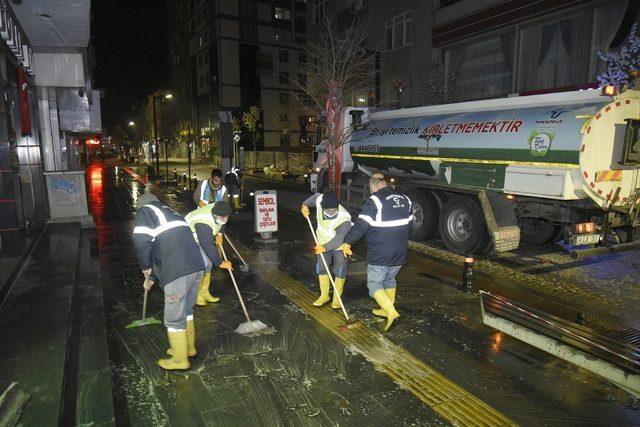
(282, 14)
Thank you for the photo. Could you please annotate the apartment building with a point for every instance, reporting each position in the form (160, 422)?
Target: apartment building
(228, 55)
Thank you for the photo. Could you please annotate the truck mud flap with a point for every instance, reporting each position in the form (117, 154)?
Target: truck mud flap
(499, 213)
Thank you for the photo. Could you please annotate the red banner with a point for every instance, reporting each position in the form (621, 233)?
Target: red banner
(25, 117)
(334, 127)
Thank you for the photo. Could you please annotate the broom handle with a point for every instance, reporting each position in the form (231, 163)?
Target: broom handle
(144, 304)
(235, 285)
(326, 268)
(234, 248)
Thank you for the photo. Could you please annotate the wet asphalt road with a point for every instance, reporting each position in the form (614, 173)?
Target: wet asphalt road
(302, 375)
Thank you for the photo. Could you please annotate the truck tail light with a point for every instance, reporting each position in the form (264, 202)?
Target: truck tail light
(610, 90)
(585, 227)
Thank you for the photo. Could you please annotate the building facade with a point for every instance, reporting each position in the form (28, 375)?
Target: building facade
(229, 55)
(496, 47)
(48, 109)
(459, 50)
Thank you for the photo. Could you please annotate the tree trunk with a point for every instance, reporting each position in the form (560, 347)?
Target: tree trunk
(255, 154)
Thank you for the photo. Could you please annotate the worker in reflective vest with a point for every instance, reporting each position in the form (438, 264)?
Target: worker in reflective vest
(207, 224)
(169, 256)
(333, 224)
(210, 190)
(232, 183)
(384, 220)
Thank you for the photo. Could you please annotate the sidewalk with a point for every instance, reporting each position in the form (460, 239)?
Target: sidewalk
(52, 335)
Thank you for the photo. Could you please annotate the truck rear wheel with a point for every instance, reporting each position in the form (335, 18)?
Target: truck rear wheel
(462, 226)
(425, 215)
(537, 231)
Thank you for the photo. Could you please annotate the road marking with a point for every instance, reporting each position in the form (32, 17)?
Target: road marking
(447, 399)
(453, 403)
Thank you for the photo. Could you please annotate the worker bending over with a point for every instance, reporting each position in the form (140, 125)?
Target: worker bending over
(207, 224)
(384, 219)
(210, 190)
(334, 222)
(170, 257)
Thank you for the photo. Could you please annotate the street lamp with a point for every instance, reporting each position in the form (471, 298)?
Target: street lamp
(132, 123)
(155, 135)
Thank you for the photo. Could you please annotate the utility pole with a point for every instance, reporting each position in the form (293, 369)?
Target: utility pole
(155, 136)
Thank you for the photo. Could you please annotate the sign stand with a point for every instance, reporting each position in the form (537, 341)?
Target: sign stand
(266, 214)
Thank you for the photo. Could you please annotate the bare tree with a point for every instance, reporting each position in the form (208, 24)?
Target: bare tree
(283, 118)
(438, 85)
(340, 65)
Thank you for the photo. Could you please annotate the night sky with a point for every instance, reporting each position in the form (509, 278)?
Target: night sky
(132, 59)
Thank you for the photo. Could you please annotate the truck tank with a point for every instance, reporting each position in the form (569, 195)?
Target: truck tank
(565, 146)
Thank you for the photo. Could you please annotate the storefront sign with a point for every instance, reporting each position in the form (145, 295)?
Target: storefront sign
(15, 39)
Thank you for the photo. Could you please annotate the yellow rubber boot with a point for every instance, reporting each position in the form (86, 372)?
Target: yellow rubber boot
(179, 349)
(323, 279)
(391, 293)
(204, 296)
(191, 340)
(383, 300)
(335, 304)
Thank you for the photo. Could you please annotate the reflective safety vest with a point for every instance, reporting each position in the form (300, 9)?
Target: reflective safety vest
(162, 220)
(326, 229)
(202, 215)
(205, 193)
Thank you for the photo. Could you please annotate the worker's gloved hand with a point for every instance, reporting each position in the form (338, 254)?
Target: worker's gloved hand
(319, 249)
(148, 283)
(226, 265)
(219, 239)
(305, 211)
(147, 273)
(346, 250)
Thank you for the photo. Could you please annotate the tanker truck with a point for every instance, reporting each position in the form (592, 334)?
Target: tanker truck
(485, 175)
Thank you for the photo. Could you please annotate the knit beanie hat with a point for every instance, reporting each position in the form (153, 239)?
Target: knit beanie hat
(329, 200)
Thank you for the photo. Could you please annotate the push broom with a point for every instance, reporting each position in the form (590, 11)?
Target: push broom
(250, 327)
(144, 320)
(244, 267)
(350, 323)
